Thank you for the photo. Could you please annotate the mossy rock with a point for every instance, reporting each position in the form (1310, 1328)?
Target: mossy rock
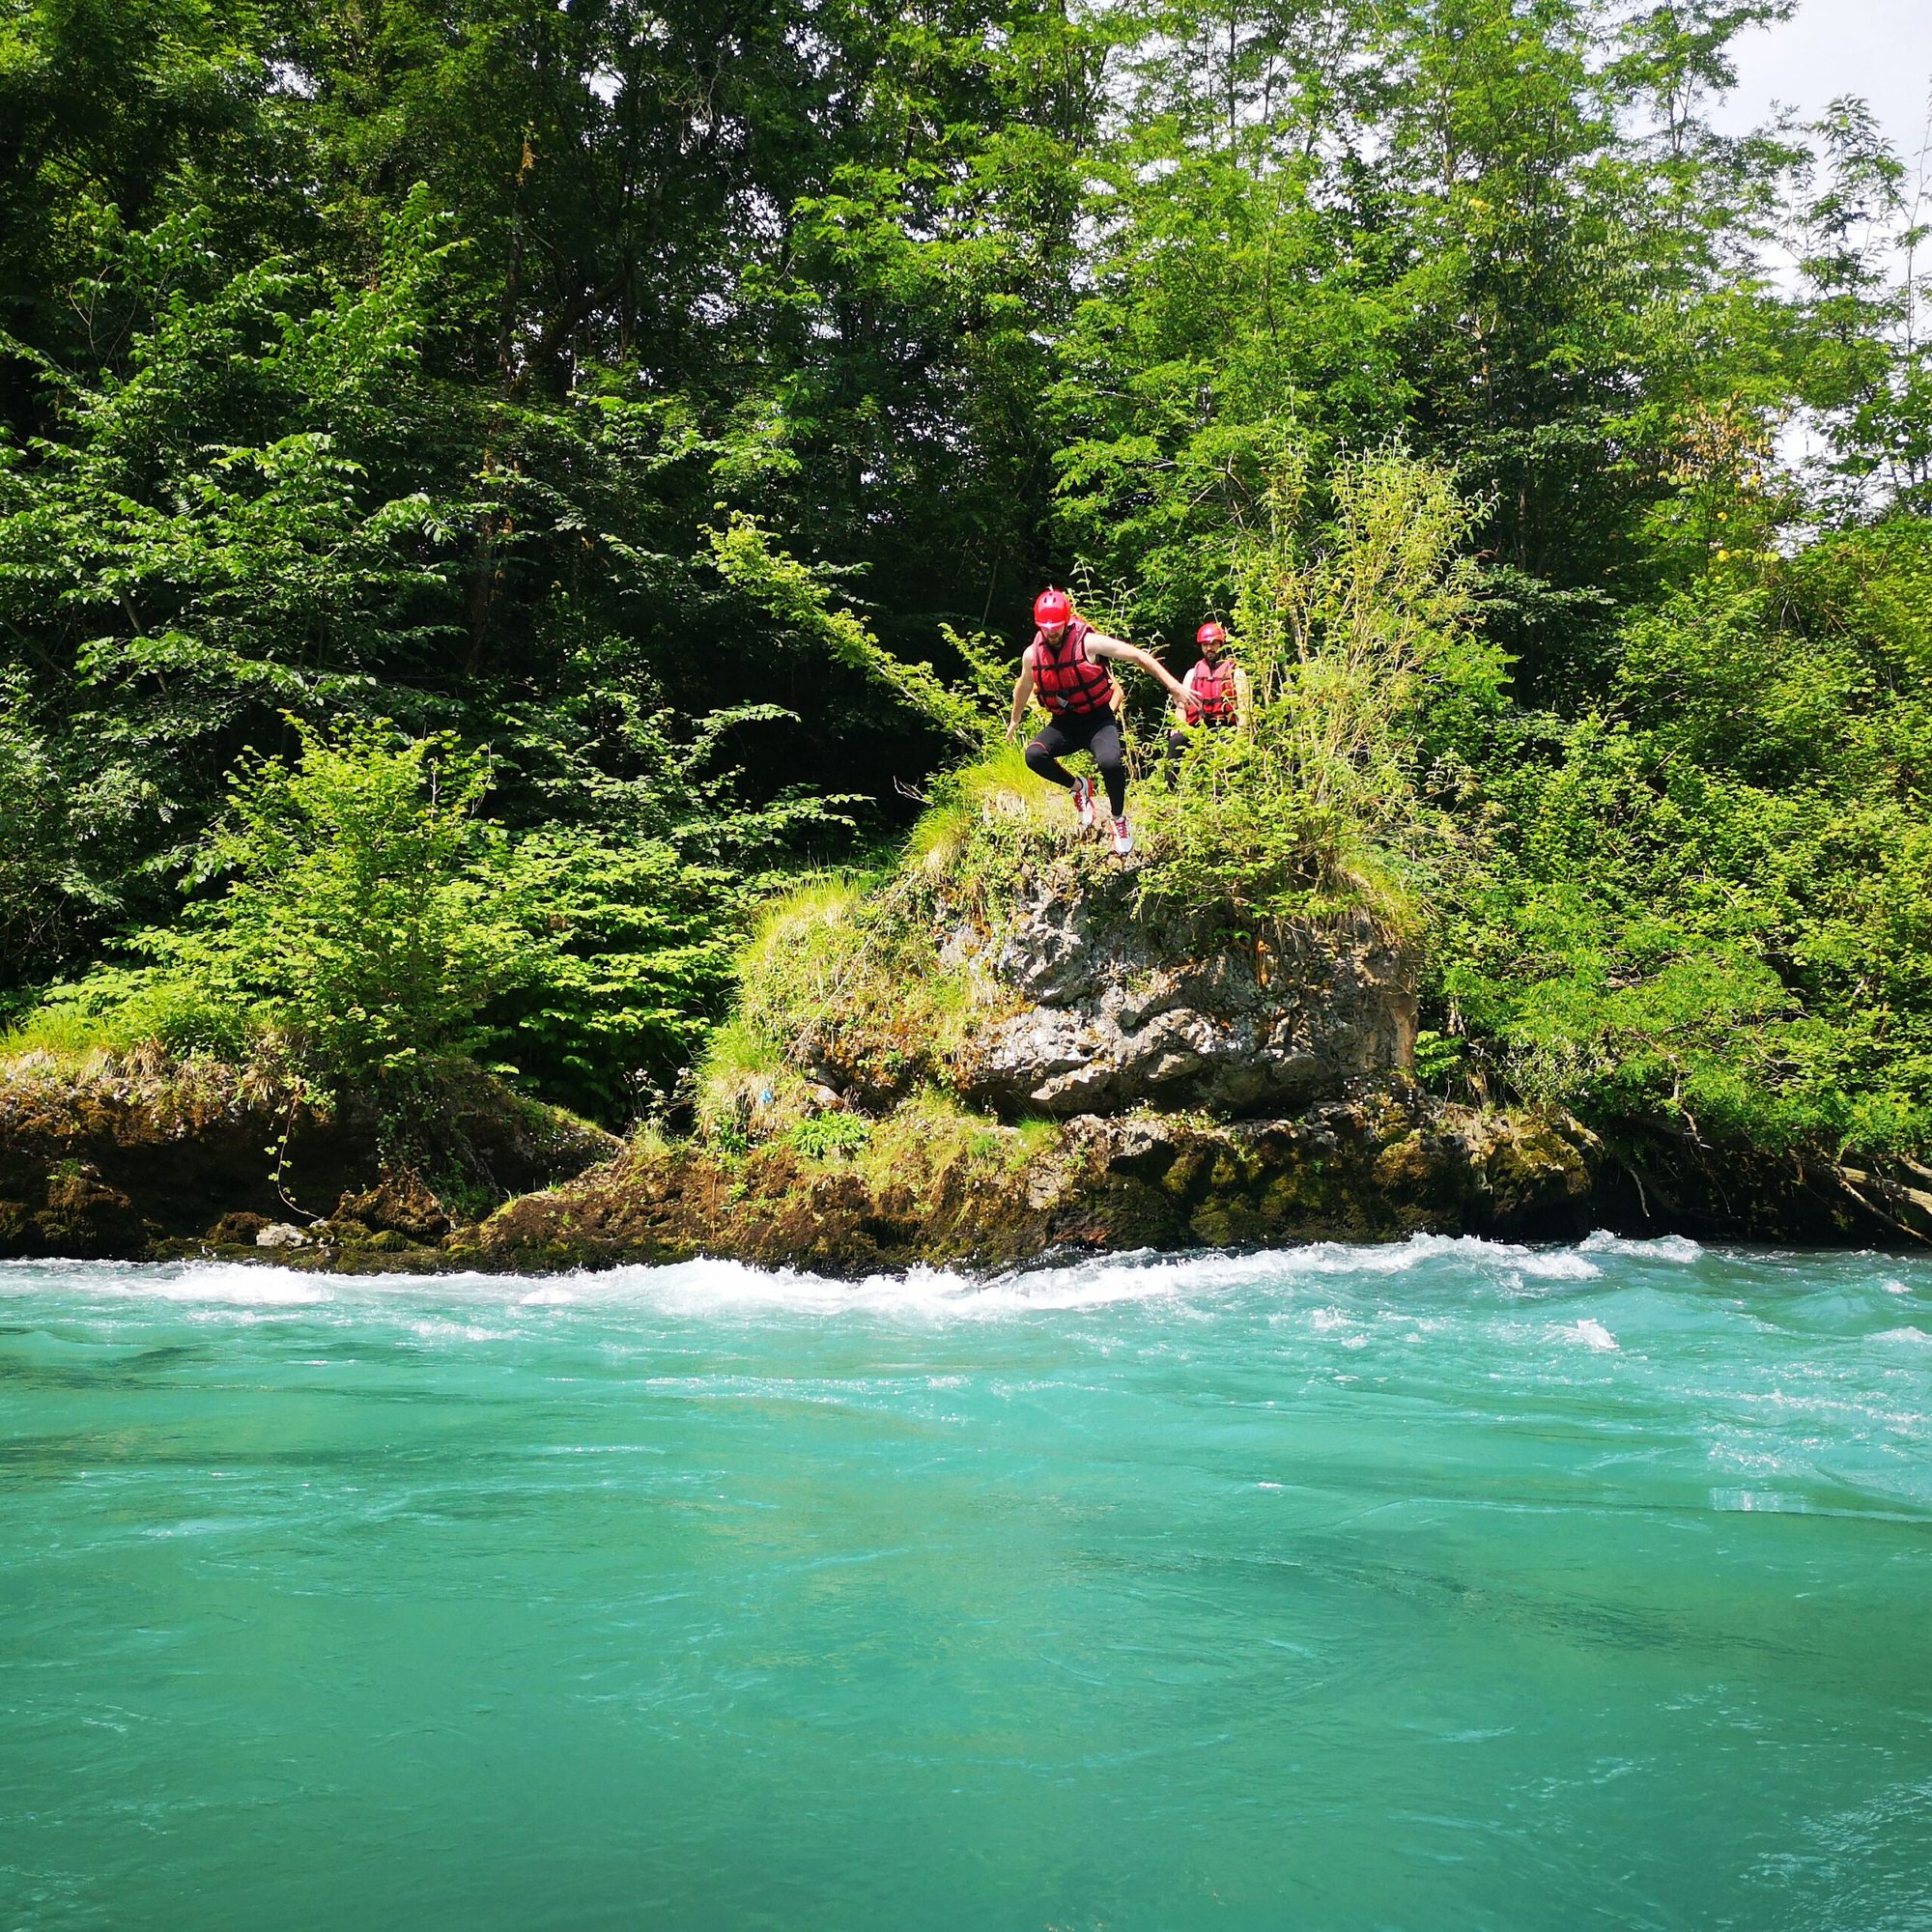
(126, 1157)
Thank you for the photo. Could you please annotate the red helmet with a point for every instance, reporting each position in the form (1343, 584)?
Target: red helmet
(1212, 633)
(1052, 606)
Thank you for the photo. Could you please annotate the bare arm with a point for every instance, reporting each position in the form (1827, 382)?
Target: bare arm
(1100, 645)
(1022, 696)
(1187, 686)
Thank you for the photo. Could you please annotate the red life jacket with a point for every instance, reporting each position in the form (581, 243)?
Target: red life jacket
(1066, 679)
(1212, 699)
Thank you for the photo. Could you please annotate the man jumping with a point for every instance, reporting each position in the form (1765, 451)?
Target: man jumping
(1064, 668)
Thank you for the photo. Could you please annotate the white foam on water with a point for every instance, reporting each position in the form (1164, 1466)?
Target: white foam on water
(1590, 1332)
(435, 1330)
(1678, 1248)
(702, 1286)
(1772, 1502)
(229, 1283)
(1495, 1258)
(1190, 1284)
(1561, 1265)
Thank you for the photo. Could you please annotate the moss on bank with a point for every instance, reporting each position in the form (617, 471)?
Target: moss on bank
(934, 1184)
(120, 1161)
(117, 1155)
(843, 984)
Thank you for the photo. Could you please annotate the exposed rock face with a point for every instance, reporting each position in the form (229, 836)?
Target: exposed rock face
(1116, 1011)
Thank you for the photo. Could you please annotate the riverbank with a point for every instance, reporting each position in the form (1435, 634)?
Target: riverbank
(1000, 1051)
(135, 1157)
(148, 1160)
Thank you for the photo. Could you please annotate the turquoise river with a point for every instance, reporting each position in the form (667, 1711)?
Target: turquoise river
(1438, 1586)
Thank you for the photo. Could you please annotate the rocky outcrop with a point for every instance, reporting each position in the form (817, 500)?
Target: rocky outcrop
(1104, 1008)
(134, 1165)
(1372, 1167)
(1071, 995)
(1130, 1081)
(117, 1157)
(401, 1203)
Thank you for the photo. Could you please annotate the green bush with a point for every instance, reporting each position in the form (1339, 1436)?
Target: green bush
(1657, 943)
(831, 1136)
(363, 907)
(629, 956)
(367, 914)
(1359, 637)
(118, 1009)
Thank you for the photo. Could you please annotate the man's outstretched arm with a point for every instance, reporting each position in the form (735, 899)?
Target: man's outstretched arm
(1100, 645)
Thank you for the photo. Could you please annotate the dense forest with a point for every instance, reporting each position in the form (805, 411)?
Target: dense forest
(491, 488)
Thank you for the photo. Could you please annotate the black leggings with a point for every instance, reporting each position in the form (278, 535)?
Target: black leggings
(1095, 731)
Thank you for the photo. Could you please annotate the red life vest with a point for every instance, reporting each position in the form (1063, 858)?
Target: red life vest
(1066, 679)
(1212, 699)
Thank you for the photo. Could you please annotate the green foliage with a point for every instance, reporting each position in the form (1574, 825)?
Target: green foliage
(206, 545)
(538, 384)
(849, 982)
(830, 1136)
(52, 901)
(368, 915)
(1358, 637)
(807, 950)
(743, 1089)
(629, 957)
(1665, 945)
(362, 911)
(931, 1128)
(984, 820)
(118, 1010)
(785, 590)
(1440, 1060)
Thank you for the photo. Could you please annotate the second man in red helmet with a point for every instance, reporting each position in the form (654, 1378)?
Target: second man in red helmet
(1065, 667)
(1218, 696)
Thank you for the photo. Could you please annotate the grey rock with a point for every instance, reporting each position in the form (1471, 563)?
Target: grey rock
(1102, 1010)
(282, 1235)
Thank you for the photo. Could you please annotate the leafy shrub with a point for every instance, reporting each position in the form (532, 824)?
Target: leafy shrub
(368, 914)
(52, 900)
(1352, 633)
(829, 1136)
(364, 910)
(1439, 1059)
(630, 958)
(117, 1010)
(1659, 945)
(789, 591)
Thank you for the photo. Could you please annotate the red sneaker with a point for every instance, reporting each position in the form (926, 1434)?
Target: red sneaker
(1083, 803)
